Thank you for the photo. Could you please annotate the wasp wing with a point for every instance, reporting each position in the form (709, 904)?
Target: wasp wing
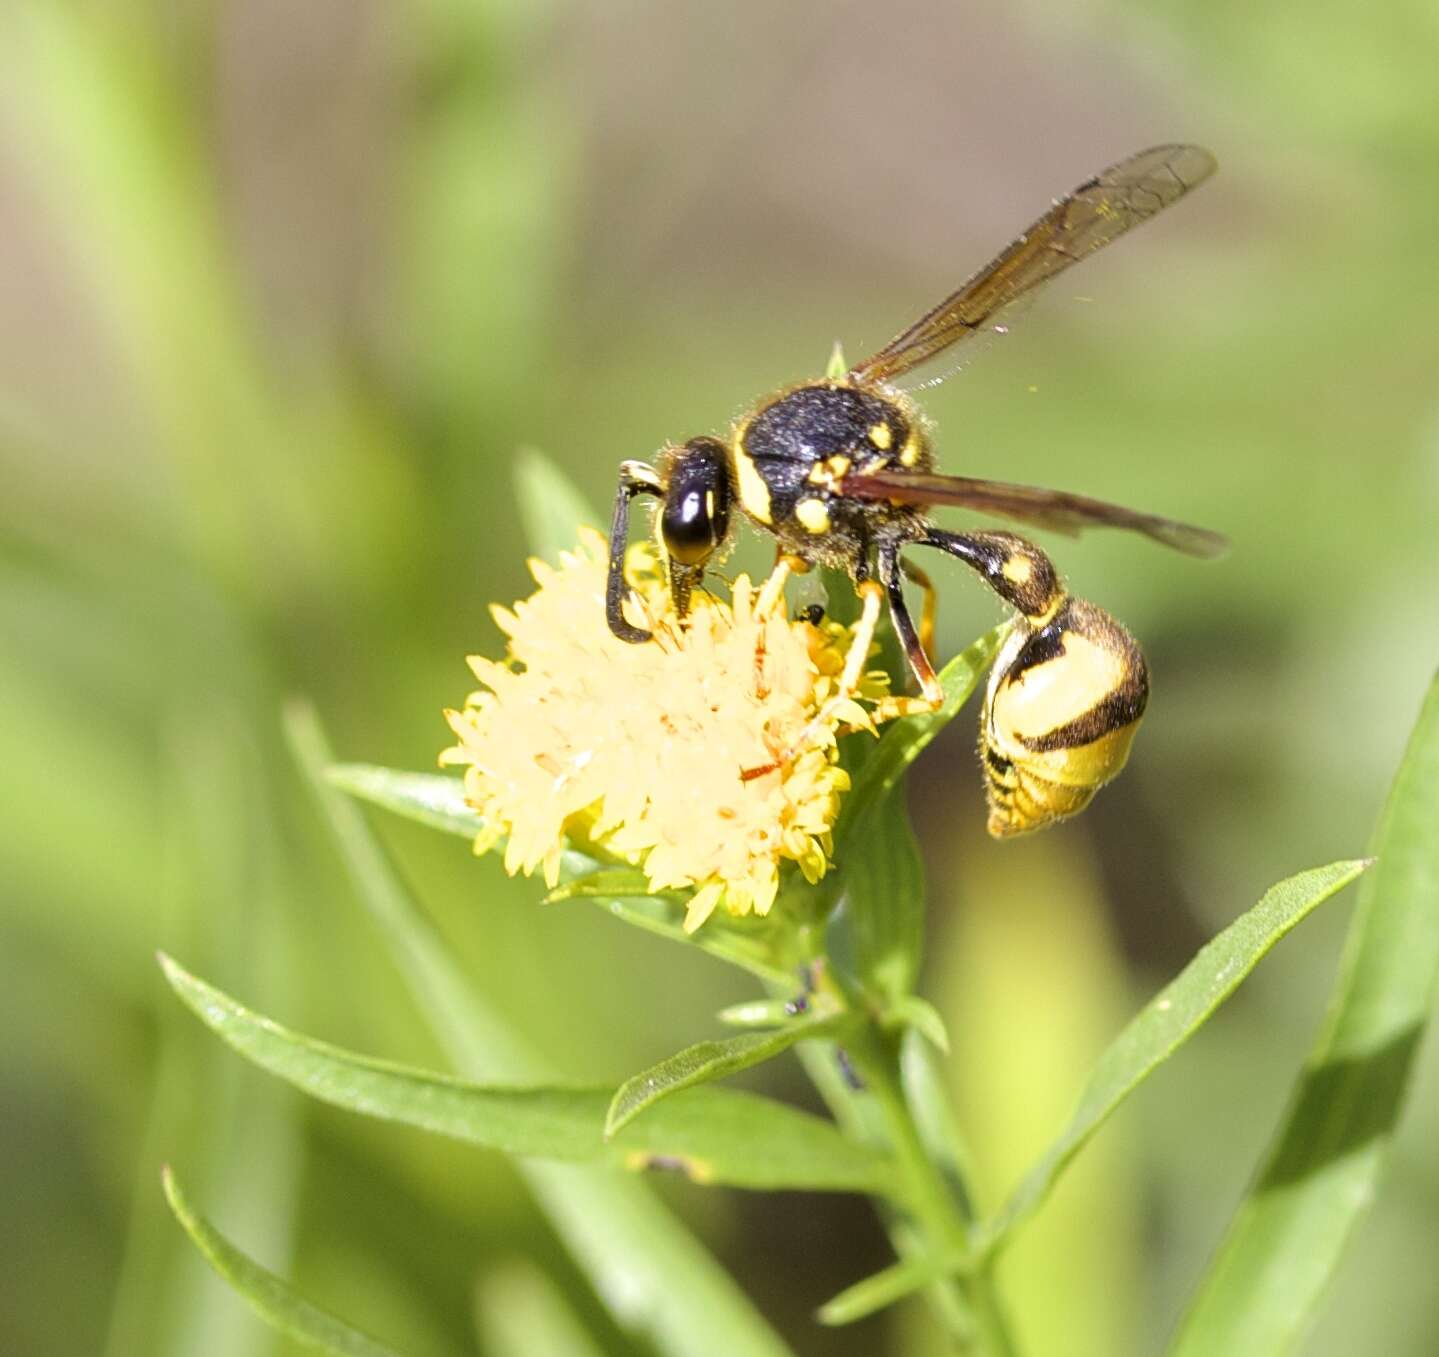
(1097, 212)
(1058, 510)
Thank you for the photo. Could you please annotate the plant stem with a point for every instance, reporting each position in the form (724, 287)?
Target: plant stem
(929, 1198)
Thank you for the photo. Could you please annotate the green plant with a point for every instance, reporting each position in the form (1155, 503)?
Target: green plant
(871, 1044)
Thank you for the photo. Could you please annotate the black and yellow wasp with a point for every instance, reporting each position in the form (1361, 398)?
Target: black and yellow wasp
(840, 472)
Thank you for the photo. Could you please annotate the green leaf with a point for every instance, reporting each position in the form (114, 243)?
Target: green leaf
(1160, 1028)
(215, 848)
(610, 883)
(877, 930)
(551, 507)
(438, 801)
(758, 1013)
(923, 1078)
(923, 1017)
(272, 1298)
(432, 799)
(1323, 1166)
(904, 740)
(521, 1312)
(1165, 1024)
(713, 1135)
(664, 916)
(877, 1291)
(859, 1114)
(709, 1060)
(651, 1273)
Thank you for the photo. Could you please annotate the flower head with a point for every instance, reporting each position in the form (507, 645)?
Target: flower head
(706, 756)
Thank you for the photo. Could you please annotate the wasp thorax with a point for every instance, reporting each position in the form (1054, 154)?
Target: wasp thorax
(1060, 712)
(695, 516)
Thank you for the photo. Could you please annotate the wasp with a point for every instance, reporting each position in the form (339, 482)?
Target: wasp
(840, 471)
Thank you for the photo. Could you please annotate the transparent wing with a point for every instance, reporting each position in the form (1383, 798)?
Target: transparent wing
(1097, 212)
(1054, 509)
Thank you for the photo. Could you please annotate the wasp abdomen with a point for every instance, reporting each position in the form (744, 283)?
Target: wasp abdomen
(1060, 713)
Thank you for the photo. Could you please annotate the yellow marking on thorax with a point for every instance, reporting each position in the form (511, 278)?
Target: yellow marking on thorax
(753, 492)
(829, 472)
(909, 453)
(1052, 694)
(1018, 569)
(813, 516)
(881, 436)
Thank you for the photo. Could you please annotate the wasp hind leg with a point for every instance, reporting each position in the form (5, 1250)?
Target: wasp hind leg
(916, 642)
(636, 478)
(927, 608)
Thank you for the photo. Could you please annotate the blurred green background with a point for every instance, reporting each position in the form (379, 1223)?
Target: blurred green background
(283, 289)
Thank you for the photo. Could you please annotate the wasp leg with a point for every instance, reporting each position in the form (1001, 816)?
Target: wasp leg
(871, 594)
(927, 609)
(636, 478)
(785, 565)
(910, 639)
(1017, 570)
(770, 596)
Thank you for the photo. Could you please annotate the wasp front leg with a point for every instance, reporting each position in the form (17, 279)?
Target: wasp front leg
(841, 704)
(636, 478)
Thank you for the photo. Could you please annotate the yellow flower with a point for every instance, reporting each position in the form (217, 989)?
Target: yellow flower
(706, 756)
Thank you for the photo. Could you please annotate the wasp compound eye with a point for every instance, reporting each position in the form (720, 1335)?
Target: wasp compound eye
(695, 517)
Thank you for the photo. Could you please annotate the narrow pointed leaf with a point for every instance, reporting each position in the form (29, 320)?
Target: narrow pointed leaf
(521, 1311)
(876, 932)
(621, 883)
(438, 800)
(712, 1135)
(653, 1276)
(664, 915)
(904, 740)
(1166, 1023)
(273, 1299)
(922, 1074)
(878, 1291)
(433, 799)
(1323, 1167)
(551, 506)
(709, 1060)
(923, 1017)
(759, 1013)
